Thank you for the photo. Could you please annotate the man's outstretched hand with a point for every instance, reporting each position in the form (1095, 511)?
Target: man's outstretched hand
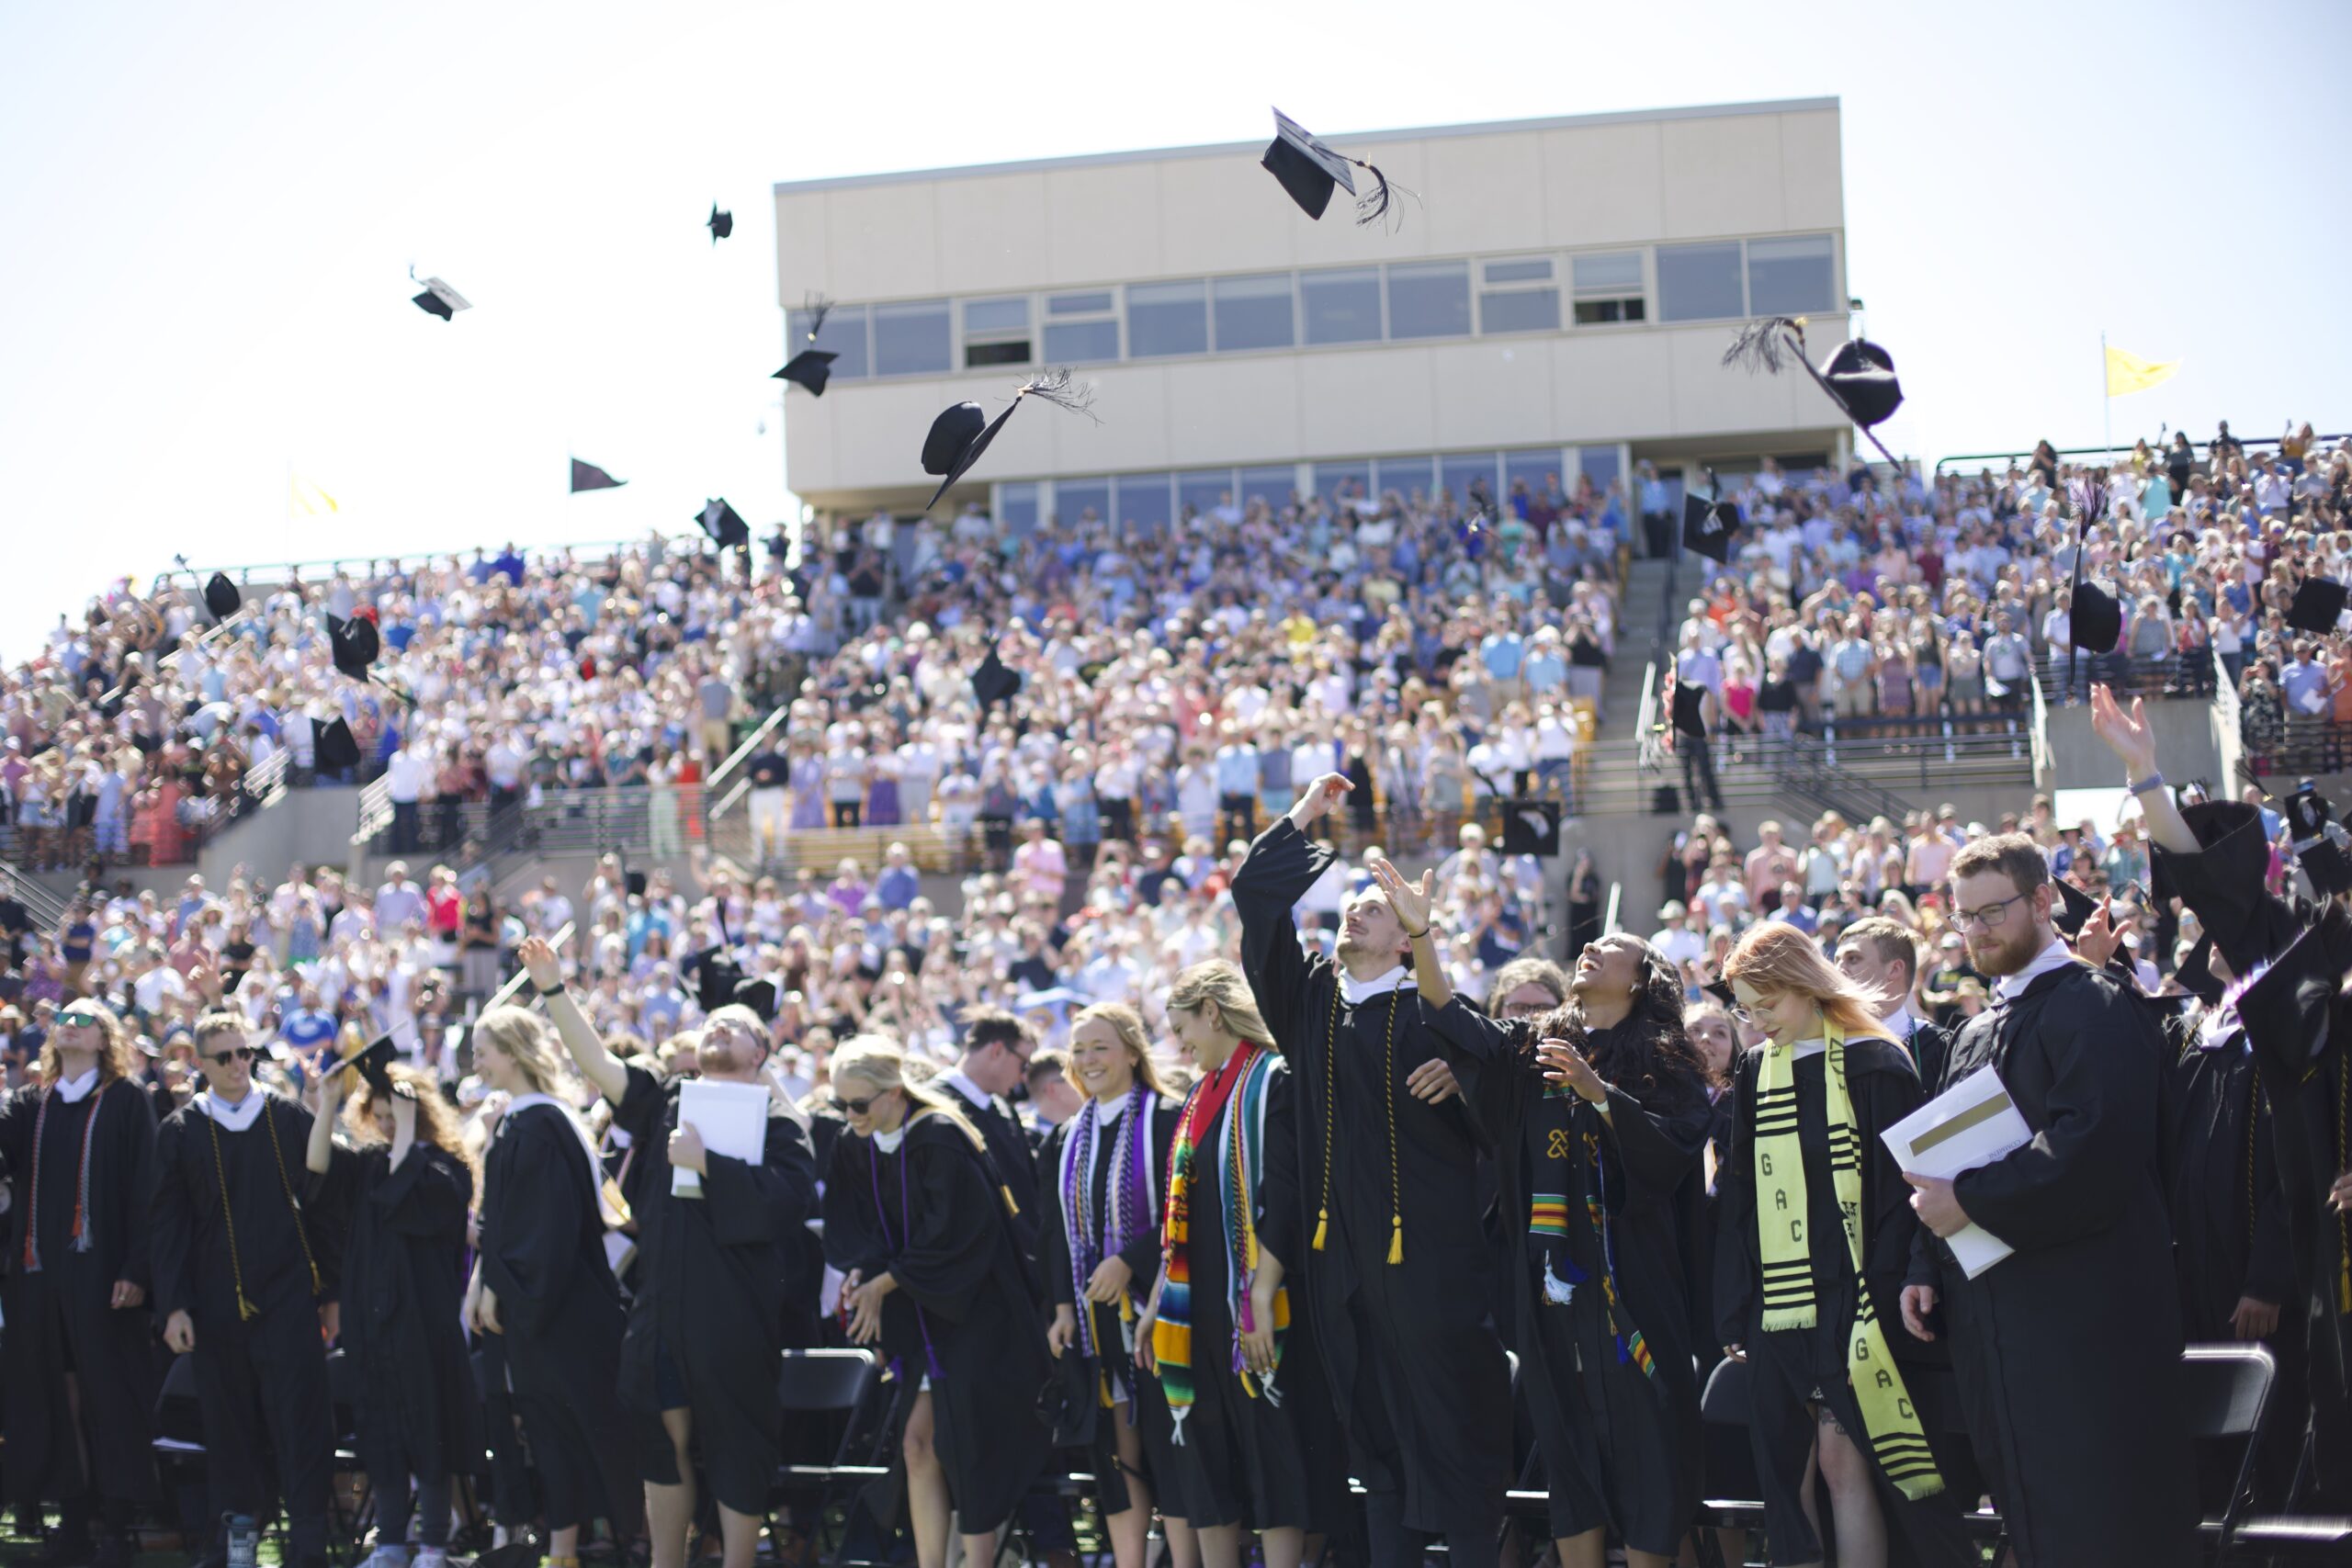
(1320, 798)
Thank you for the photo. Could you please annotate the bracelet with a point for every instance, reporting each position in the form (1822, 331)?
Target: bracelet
(1415, 936)
(554, 990)
(2154, 780)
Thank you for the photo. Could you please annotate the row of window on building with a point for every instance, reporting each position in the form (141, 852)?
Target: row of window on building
(1145, 502)
(1407, 301)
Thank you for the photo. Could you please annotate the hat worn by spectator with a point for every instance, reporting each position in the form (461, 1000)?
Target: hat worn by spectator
(1308, 170)
(812, 365)
(962, 432)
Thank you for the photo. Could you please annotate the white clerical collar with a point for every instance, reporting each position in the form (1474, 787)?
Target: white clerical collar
(74, 1090)
(1813, 1047)
(1354, 992)
(1900, 1023)
(979, 1097)
(889, 1142)
(2056, 956)
(236, 1117)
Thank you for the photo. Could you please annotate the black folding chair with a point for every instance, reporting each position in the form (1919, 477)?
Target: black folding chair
(840, 1383)
(2227, 1388)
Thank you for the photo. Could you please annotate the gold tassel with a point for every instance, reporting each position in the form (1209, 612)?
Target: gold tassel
(1395, 1238)
(1010, 1206)
(246, 1311)
(2344, 1289)
(1322, 1228)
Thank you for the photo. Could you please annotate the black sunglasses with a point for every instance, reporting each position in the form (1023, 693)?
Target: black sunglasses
(234, 1054)
(854, 1106)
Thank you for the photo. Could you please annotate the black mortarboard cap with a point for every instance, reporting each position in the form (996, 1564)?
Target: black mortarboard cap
(1721, 990)
(331, 746)
(1709, 526)
(588, 475)
(992, 682)
(812, 365)
(716, 978)
(720, 224)
(2285, 1007)
(374, 1061)
(1308, 170)
(439, 299)
(1862, 376)
(2097, 620)
(2075, 908)
(220, 596)
(759, 996)
(2318, 604)
(1532, 828)
(721, 522)
(1689, 709)
(354, 644)
(961, 434)
(633, 884)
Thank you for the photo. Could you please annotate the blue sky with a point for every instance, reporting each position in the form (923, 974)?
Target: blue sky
(211, 212)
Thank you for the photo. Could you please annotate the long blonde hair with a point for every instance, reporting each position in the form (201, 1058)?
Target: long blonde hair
(1779, 957)
(519, 1034)
(1220, 983)
(1128, 1024)
(114, 1052)
(880, 1064)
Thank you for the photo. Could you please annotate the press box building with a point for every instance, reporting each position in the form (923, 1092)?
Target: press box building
(1553, 297)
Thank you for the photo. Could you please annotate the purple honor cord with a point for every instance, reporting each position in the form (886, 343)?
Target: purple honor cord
(882, 1217)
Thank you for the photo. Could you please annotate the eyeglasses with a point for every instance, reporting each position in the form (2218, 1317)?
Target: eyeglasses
(234, 1054)
(1990, 916)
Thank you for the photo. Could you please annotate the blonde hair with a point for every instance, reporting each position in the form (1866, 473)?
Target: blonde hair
(521, 1035)
(1220, 983)
(1128, 1024)
(878, 1064)
(114, 1055)
(1780, 958)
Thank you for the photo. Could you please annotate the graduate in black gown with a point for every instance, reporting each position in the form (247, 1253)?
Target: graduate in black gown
(402, 1185)
(1808, 1293)
(1600, 1113)
(1726, 1467)
(542, 1280)
(245, 1280)
(1225, 1336)
(1101, 1176)
(705, 1326)
(920, 1226)
(1396, 1266)
(2067, 1351)
(78, 1147)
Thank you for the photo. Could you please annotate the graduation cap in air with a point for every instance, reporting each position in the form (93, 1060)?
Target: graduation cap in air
(2317, 606)
(1709, 526)
(1532, 828)
(759, 996)
(1721, 990)
(220, 596)
(438, 299)
(332, 746)
(717, 977)
(374, 1062)
(633, 884)
(1308, 170)
(1858, 378)
(588, 475)
(720, 223)
(992, 682)
(2097, 620)
(354, 644)
(722, 522)
(1689, 709)
(811, 365)
(961, 434)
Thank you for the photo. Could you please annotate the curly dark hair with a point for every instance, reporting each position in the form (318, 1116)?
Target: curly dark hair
(1648, 1054)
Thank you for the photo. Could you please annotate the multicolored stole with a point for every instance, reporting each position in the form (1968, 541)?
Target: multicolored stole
(1549, 1210)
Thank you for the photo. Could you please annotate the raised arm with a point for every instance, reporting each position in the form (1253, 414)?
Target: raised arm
(1411, 903)
(319, 1153)
(2134, 741)
(1278, 869)
(596, 1064)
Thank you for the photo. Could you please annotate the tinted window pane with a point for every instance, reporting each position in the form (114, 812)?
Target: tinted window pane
(1342, 305)
(1457, 474)
(1166, 317)
(1272, 486)
(1073, 499)
(845, 334)
(1403, 475)
(1790, 276)
(1592, 311)
(911, 339)
(1343, 481)
(1598, 464)
(1609, 270)
(1519, 311)
(1076, 343)
(1253, 312)
(1698, 283)
(1203, 492)
(1428, 301)
(1016, 506)
(1142, 503)
(1010, 351)
(1537, 467)
(1077, 304)
(1519, 270)
(996, 315)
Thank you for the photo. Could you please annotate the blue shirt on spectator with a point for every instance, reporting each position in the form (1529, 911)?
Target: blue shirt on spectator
(1503, 653)
(898, 886)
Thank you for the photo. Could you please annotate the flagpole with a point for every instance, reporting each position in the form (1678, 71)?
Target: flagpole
(2106, 404)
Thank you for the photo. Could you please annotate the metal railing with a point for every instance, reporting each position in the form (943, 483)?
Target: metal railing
(2304, 745)
(2149, 675)
(2204, 450)
(556, 822)
(47, 910)
(715, 787)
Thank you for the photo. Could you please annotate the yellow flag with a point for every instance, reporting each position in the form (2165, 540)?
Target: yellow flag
(304, 499)
(2130, 373)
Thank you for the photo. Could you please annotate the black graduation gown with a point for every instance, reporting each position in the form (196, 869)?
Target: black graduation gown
(1620, 1445)
(261, 1382)
(932, 1216)
(2229, 1225)
(1014, 1156)
(1787, 1366)
(712, 1279)
(543, 1256)
(1418, 1374)
(2067, 1352)
(403, 1290)
(62, 1317)
(1115, 1359)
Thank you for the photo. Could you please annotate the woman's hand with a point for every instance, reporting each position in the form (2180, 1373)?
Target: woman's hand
(1062, 1332)
(865, 1309)
(1146, 1360)
(1258, 1344)
(484, 1314)
(539, 964)
(2128, 736)
(1564, 1064)
(1112, 1277)
(1412, 902)
(330, 1091)
(1736, 1352)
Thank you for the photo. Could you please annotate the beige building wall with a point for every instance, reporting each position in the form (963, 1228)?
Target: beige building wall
(1552, 188)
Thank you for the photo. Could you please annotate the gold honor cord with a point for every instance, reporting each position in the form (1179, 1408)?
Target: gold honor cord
(1388, 1084)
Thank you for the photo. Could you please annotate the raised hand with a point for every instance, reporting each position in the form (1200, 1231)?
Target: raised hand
(1410, 900)
(1320, 798)
(540, 963)
(2128, 736)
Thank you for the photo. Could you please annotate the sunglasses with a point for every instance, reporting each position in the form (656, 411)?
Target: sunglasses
(854, 1106)
(79, 1015)
(234, 1054)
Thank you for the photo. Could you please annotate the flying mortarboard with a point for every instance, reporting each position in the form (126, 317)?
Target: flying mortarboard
(961, 434)
(331, 746)
(722, 522)
(588, 475)
(373, 1062)
(720, 224)
(438, 299)
(1721, 990)
(354, 644)
(2318, 604)
(759, 996)
(1858, 378)
(1532, 828)
(811, 365)
(2097, 620)
(1308, 170)
(2073, 908)
(1689, 709)
(992, 682)
(1709, 526)
(220, 596)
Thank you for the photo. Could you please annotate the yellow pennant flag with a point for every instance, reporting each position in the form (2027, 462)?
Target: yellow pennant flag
(304, 499)
(2130, 373)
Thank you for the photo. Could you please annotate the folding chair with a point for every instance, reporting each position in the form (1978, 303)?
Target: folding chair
(2227, 1388)
(838, 1383)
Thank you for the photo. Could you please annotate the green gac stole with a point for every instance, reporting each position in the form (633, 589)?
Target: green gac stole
(1896, 1438)
(1239, 1170)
